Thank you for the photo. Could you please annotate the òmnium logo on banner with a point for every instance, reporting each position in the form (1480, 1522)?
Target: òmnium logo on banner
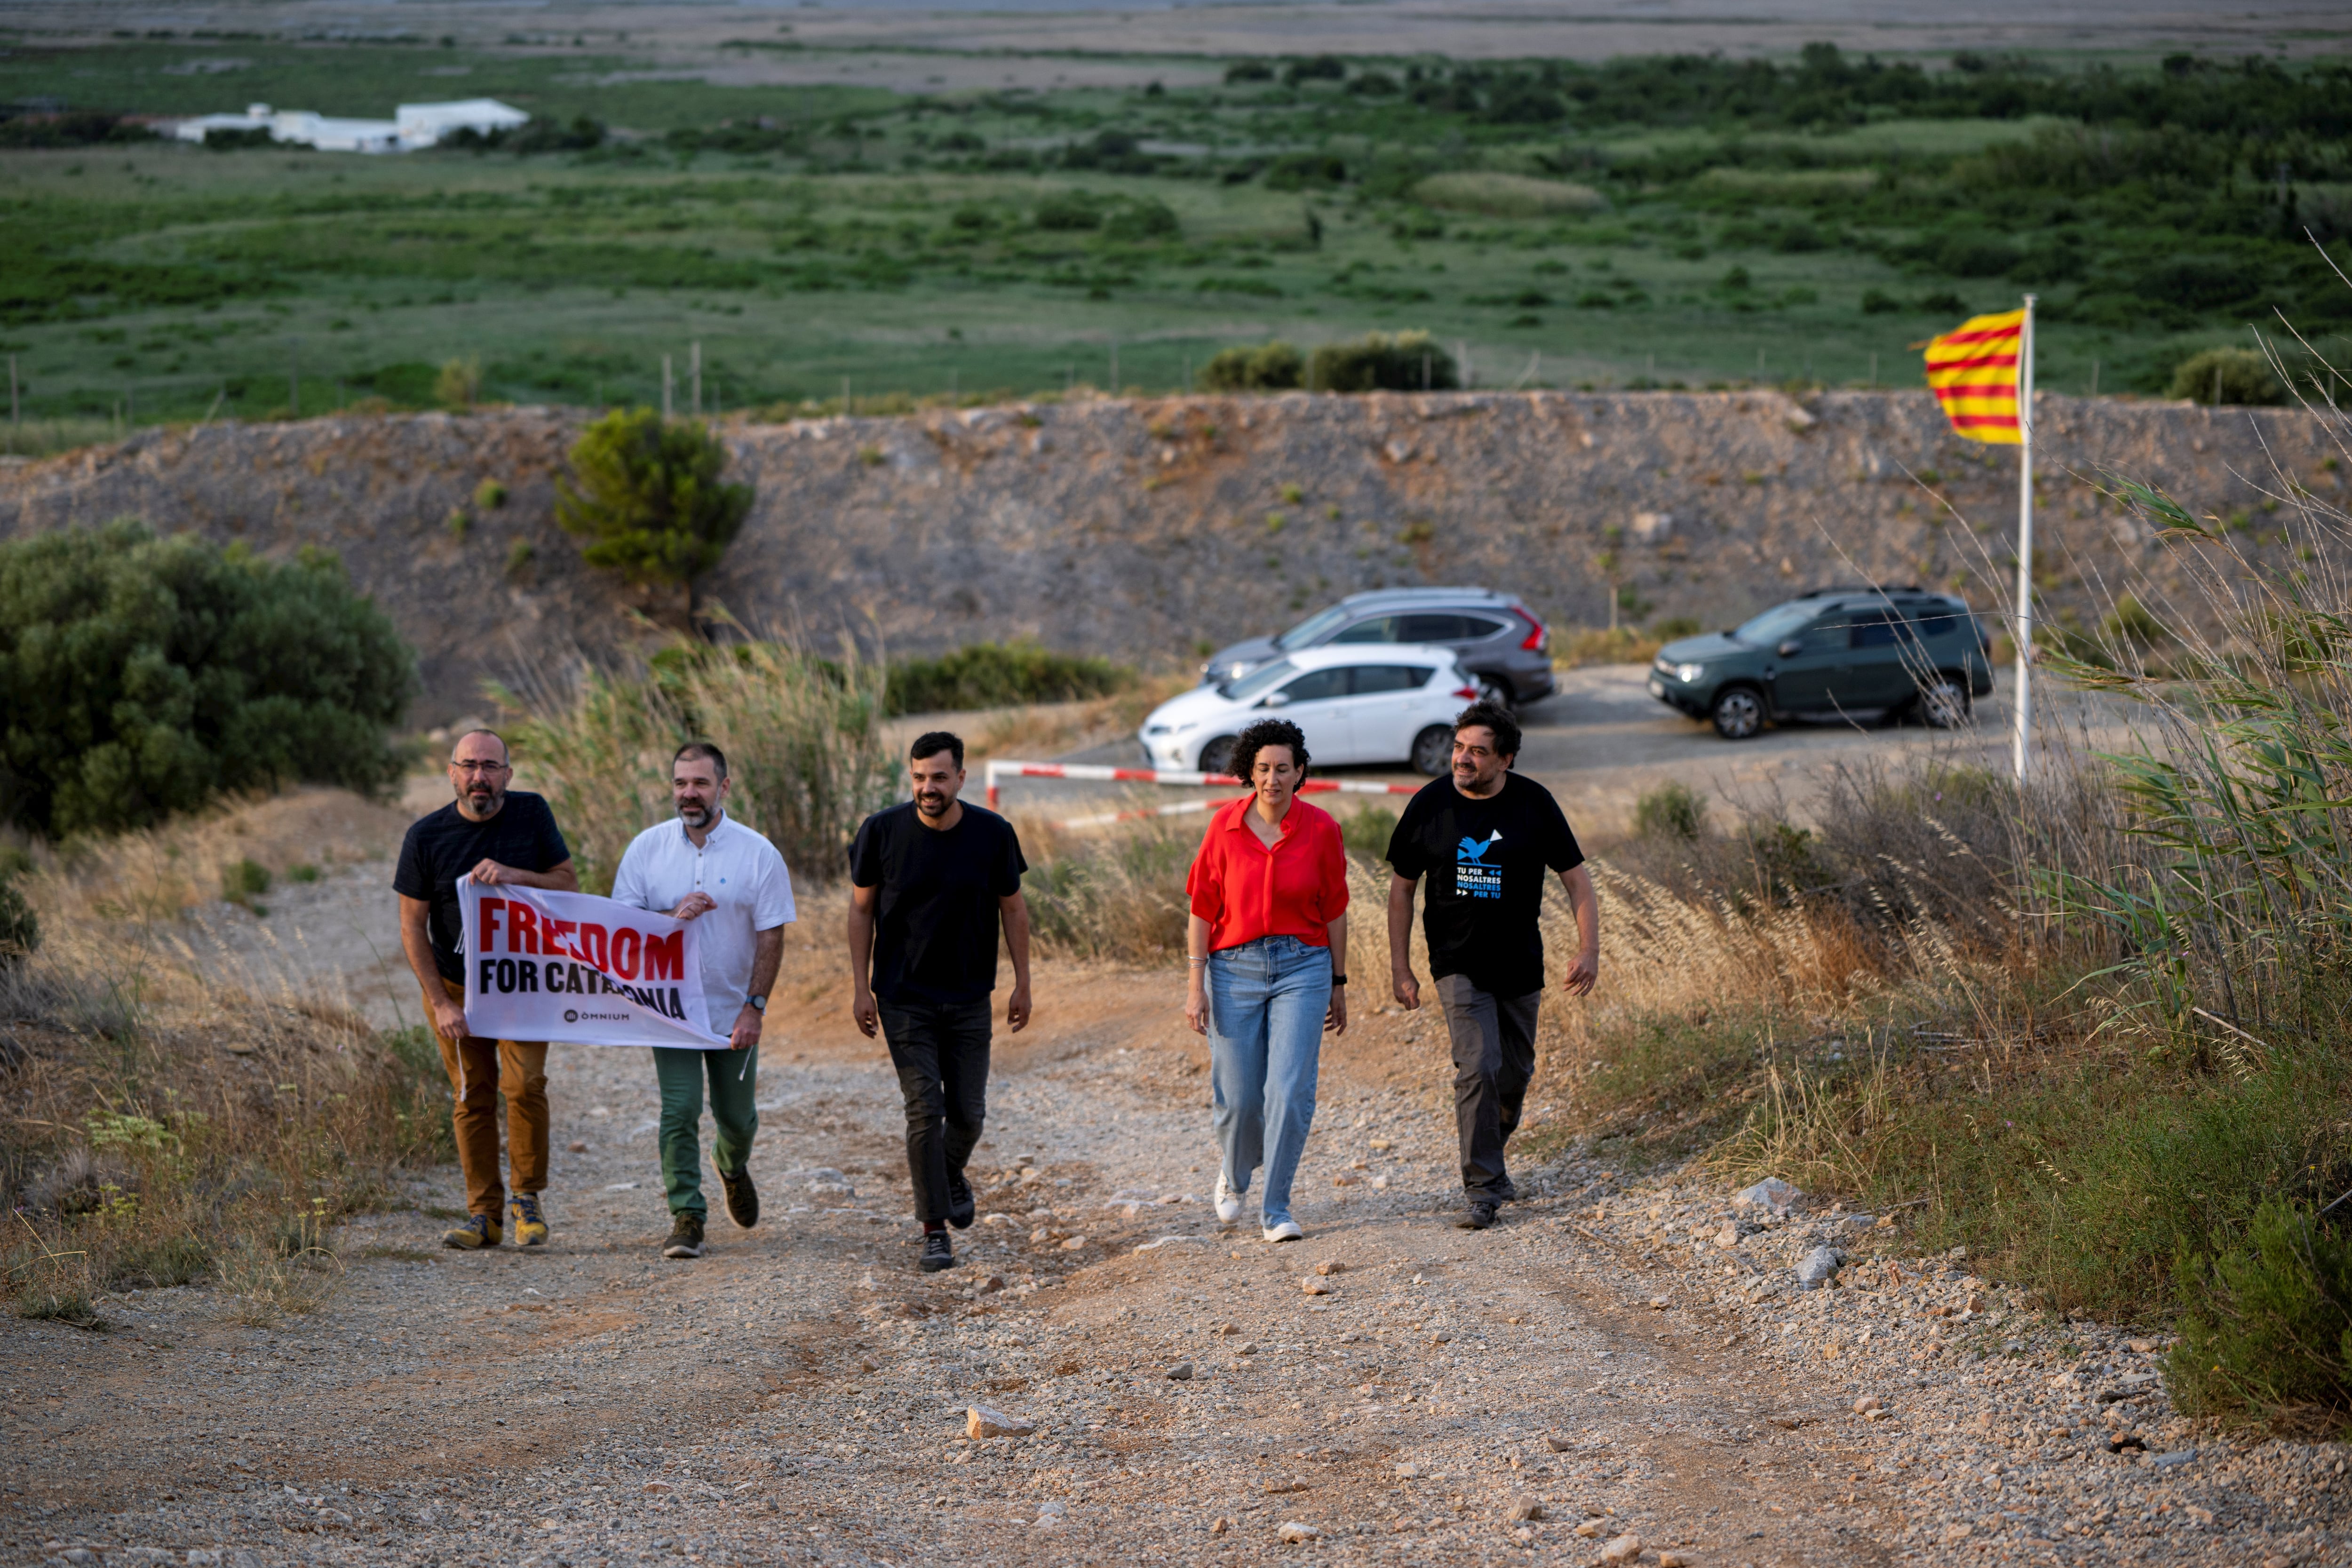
(530, 954)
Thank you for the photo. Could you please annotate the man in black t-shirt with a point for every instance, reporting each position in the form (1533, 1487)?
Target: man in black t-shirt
(929, 882)
(1485, 838)
(490, 835)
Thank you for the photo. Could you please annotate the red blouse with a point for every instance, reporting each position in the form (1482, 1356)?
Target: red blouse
(1245, 890)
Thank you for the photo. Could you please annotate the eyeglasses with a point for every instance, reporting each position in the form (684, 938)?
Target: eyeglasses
(478, 767)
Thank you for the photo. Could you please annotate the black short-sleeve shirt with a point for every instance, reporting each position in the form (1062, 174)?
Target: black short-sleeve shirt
(444, 847)
(1486, 861)
(935, 932)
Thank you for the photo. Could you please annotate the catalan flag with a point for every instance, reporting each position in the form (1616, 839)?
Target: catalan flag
(1973, 371)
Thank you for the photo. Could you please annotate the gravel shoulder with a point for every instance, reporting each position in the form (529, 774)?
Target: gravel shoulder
(1616, 1359)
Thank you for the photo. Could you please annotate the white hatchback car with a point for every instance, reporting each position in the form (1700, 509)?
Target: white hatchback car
(1354, 704)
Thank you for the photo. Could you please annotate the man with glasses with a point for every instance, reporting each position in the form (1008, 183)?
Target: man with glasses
(490, 835)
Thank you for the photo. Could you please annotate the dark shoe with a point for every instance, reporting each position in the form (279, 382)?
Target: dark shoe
(742, 1197)
(960, 1207)
(1506, 1191)
(685, 1237)
(1479, 1215)
(938, 1252)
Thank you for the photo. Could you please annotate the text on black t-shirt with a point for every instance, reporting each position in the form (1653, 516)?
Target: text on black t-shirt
(1486, 861)
(442, 848)
(935, 931)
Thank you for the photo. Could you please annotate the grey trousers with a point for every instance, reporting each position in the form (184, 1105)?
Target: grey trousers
(1494, 1058)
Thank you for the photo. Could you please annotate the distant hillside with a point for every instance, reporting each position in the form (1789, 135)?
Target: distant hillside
(1145, 529)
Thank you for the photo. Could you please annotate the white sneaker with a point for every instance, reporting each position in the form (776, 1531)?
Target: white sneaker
(1229, 1202)
(1287, 1231)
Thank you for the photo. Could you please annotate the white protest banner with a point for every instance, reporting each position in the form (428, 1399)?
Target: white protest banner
(542, 965)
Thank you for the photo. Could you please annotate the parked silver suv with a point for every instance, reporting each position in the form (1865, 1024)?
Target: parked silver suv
(1497, 640)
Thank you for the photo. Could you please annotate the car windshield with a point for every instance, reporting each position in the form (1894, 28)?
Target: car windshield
(1780, 621)
(1313, 630)
(1259, 679)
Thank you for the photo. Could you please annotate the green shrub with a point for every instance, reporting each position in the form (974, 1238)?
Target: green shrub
(1270, 367)
(999, 675)
(1137, 222)
(2237, 375)
(143, 676)
(1367, 830)
(1673, 810)
(1305, 171)
(1379, 361)
(1879, 303)
(646, 492)
(1675, 626)
(458, 386)
(1249, 70)
(244, 882)
(2267, 1328)
(1069, 212)
(489, 495)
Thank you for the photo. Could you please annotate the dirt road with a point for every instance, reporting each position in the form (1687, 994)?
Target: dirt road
(1611, 1362)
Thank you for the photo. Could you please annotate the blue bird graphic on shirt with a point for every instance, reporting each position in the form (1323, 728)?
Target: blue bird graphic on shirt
(1473, 850)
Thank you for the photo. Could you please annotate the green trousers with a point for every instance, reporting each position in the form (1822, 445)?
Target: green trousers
(734, 1084)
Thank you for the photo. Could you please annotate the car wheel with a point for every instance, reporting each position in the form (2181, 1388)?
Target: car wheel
(1217, 756)
(1738, 713)
(1944, 704)
(1495, 692)
(1432, 750)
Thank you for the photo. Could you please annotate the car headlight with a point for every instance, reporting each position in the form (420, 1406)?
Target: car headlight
(1170, 728)
(1686, 673)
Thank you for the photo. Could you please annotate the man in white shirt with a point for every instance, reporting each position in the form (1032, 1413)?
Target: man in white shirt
(709, 868)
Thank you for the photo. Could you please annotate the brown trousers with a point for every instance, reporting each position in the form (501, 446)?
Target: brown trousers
(480, 1070)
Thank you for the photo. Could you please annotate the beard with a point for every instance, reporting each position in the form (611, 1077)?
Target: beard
(931, 803)
(693, 815)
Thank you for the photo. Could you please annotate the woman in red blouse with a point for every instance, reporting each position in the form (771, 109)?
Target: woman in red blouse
(1268, 940)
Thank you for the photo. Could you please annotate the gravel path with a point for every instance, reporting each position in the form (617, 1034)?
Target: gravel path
(1613, 1361)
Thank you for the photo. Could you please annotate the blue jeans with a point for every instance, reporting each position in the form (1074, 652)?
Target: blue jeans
(1266, 1001)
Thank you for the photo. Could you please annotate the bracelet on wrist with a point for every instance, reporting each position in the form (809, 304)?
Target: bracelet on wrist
(1338, 980)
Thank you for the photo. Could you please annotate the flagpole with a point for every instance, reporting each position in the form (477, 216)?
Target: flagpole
(2024, 744)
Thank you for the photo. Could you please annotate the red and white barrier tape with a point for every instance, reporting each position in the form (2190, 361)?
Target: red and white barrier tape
(1169, 776)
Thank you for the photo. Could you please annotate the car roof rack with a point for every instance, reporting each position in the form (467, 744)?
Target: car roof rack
(1372, 596)
(1861, 588)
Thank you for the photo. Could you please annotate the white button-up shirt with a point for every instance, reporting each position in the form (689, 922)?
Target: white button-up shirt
(744, 877)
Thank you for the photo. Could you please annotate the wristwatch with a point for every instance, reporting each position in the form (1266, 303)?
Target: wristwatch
(757, 1003)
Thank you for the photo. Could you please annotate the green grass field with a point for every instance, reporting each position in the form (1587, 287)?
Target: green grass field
(1633, 224)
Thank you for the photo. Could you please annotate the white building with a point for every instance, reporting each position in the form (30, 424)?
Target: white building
(415, 125)
(423, 124)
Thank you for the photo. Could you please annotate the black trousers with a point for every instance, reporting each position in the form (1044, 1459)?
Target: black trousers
(1494, 1058)
(940, 1049)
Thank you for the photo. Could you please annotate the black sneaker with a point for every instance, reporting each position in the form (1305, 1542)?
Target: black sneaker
(960, 1207)
(1480, 1216)
(742, 1197)
(685, 1237)
(938, 1252)
(1506, 1191)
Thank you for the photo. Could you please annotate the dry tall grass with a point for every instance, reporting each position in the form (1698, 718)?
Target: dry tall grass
(803, 739)
(168, 1115)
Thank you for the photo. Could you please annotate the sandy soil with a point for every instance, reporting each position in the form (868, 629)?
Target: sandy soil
(1616, 1359)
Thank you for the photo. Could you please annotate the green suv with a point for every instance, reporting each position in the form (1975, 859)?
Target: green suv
(1840, 654)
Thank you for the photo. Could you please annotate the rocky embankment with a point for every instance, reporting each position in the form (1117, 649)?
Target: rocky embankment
(1147, 529)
